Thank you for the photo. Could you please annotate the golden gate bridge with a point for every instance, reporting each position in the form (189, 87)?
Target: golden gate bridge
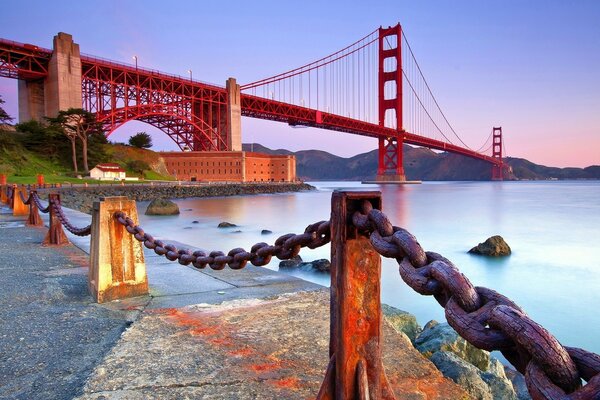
(373, 87)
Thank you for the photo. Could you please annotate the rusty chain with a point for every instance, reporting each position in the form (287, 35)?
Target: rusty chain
(285, 247)
(485, 318)
(38, 203)
(60, 214)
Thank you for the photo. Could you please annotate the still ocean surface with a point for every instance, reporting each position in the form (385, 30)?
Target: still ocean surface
(553, 229)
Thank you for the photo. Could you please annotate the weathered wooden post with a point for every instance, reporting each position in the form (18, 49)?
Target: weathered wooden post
(34, 218)
(117, 268)
(355, 369)
(2, 179)
(40, 179)
(19, 208)
(56, 235)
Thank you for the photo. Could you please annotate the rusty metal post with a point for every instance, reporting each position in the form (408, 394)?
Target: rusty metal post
(56, 235)
(117, 267)
(34, 218)
(19, 208)
(3, 196)
(355, 370)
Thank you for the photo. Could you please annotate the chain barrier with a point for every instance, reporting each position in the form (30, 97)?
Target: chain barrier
(285, 247)
(485, 318)
(60, 214)
(36, 199)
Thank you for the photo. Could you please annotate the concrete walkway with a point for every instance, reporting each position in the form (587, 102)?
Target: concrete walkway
(251, 334)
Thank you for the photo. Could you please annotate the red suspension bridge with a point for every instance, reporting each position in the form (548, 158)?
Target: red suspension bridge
(373, 87)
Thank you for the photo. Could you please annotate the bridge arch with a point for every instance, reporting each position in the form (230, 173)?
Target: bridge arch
(188, 133)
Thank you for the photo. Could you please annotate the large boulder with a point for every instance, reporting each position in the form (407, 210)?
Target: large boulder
(464, 374)
(493, 246)
(474, 369)
(160, 206)
(402, 321)
(441, 337)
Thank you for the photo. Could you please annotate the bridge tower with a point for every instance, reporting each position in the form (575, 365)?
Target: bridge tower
(497, 170)
(60, 89)
(390, 167)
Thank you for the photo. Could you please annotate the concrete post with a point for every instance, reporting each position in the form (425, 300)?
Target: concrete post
(19, 208)
(234, 116)
(117, 268)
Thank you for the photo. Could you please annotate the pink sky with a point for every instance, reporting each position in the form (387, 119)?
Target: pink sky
(531, 67)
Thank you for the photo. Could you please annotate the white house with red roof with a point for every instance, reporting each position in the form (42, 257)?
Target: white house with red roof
(108, 171)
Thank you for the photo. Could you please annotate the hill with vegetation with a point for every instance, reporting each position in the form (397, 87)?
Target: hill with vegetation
(32, 148)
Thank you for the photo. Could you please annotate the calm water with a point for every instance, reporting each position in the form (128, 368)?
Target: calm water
(553, 229)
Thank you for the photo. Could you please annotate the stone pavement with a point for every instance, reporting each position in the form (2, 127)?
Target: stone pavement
(249, 334)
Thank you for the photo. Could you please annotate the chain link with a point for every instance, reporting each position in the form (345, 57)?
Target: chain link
(485, 318)
(285, 247)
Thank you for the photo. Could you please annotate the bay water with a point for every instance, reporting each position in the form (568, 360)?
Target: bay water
(553, 228)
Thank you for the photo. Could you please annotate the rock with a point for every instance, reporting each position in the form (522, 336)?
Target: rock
(322, 265)
(439, 338)
(225, 224)
(463, 373)
(401, 321)
(292, 263)
(493, 246)
(518, 381)
(442, 337)
(195, 222)
(266, 232)
(237, 231)
(160, 206)
(430, 324)
(500, 387)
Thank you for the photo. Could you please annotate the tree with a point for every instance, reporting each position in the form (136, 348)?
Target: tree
(4, 117)
(78, 123)
(141, 140)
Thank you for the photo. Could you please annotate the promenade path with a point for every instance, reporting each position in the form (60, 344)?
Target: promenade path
(249, 334)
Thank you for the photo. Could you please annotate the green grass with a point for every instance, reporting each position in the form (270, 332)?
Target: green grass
(154, 176)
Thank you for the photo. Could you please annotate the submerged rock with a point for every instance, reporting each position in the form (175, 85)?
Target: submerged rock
(160, 206)
(226, 224)
(292, 263)
(493, 246)
(266, 232)
(322, 265)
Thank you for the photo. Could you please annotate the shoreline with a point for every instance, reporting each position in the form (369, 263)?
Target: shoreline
(82, 199)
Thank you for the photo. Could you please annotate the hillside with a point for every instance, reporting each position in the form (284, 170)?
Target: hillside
(23, 155)
(419, 164)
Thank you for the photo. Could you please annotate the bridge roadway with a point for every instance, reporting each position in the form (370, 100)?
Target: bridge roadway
(24, 61)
